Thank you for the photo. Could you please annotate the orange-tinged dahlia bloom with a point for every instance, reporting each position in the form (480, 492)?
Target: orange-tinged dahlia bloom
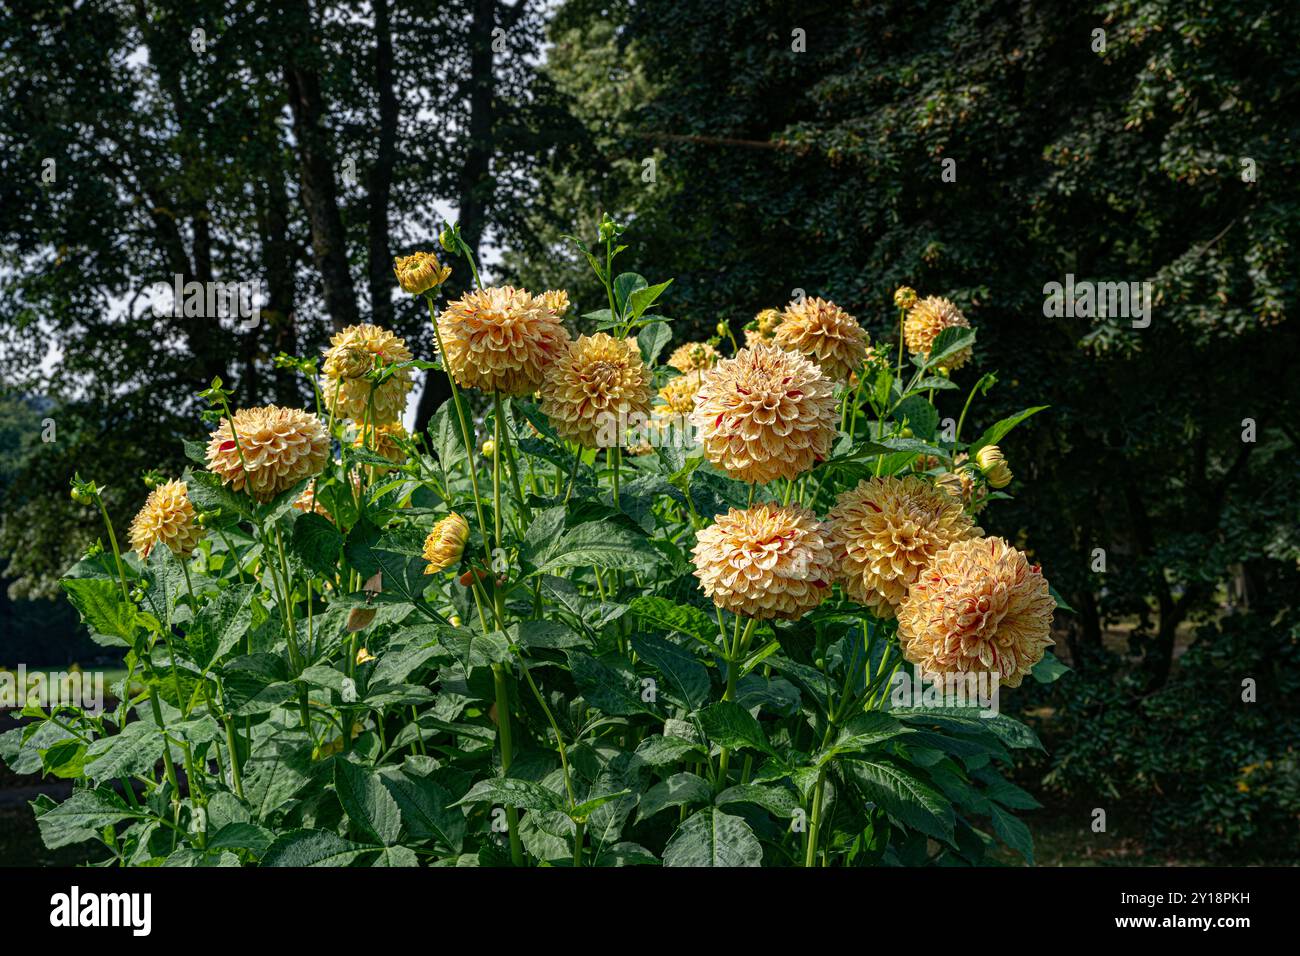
(978, 606)
(167, 517)
(767, 561)
(557, 300)
(678, 396)
(694, 357)
(596, 387)
(276, 449)
(925, 320)
(825, 333)
(445, 543)
(501, 339)
(420, 272)
(351, 355)
(886, 530)
(765, 414)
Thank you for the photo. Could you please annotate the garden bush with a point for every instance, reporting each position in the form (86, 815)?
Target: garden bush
(608, 610)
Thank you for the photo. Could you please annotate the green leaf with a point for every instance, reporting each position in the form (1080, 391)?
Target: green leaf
(663, 613)
(920, 415)
(1013, 833)
(425, 809)
(687, 677)
(82, 816)
(658, 750)
(861, 734)
(446, 437)
(713, 838)
(510, 792)
(207, 493)
(608, 684)
(907, 798)
(675, 791)
(1060, 601)
(995, 433)
(111, 619)
(241, 836)
(624, 285)
(1049, 669)
(219, 626)
(778, 801)
(729, 725)
(644, 298)
(369, 806)
(135, 750)
(584, 809)
(313, 848)
(597, 544)
(651, 341)
(316, 543)
(947, 343)
(255, 684)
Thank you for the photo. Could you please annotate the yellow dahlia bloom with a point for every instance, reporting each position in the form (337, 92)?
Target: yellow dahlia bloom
(383, 440)
(351, 354)
(678, 396)
(825, 333)
(994, 465)
(925, 320)
(276, 449)
(765, 414)
(557, 300)
(445, 543)
(764, 329)
(420, 272)
(501, 339)
(694, 357)
(979, 606)
(167, 517)
(904, 297)
(768, 561)
(886, 530)
(595, 388)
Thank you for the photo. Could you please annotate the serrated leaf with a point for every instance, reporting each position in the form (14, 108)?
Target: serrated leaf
(313, 848)
(713, 838)
(906, 797)
(511, 792)
(369, 806)
(674, 791)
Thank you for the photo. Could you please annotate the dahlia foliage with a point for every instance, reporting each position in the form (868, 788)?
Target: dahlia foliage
(626, 601)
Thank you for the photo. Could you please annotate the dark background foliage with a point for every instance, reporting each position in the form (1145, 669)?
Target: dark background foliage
(308, 143)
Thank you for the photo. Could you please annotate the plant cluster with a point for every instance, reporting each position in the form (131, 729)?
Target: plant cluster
(660, 615)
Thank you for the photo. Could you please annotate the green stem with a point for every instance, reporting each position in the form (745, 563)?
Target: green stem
(507, 756)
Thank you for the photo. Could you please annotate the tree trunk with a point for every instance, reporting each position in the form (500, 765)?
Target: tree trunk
(381, 173)
(316, 163)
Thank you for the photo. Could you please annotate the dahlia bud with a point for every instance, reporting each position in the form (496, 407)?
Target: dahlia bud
(904, 297)
(489, 448)
(723, 329)
(445, 543)
(80, 497)
(420, 272)
(455, 620)
(994, 465)
(447, 239)
(364, 656)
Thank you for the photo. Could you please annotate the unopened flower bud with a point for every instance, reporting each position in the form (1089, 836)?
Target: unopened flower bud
(994, 465)
(904, 297)
(489, 448)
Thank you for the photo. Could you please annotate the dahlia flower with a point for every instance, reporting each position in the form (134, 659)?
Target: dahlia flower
(767, 561)
(351, 355)
(694, 357)
(994, 465)
(765, 414)
(595, 387)
(501, 339)
(825, 333)
(904, 297)
(167, 517)
(925, 320)
(885, 531)
(445, 543)
(420, 272)
(270, 450)
(557, 300)
(979, 605)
